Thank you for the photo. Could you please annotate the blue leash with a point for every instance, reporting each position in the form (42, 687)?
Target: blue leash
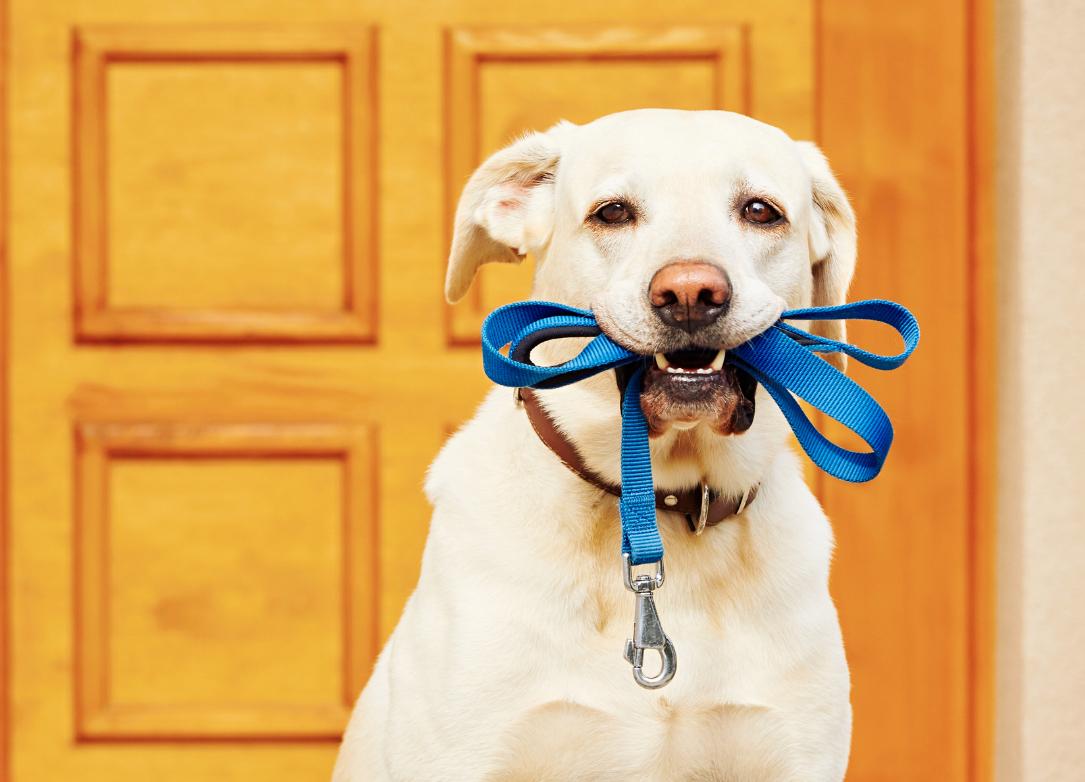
(782, 359)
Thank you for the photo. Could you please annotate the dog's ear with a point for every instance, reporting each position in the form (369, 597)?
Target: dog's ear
(506, 209)
(832, 244)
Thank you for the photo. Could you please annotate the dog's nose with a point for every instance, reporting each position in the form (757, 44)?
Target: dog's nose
(690, 294)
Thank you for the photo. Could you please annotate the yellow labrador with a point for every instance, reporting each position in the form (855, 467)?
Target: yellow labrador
(686, 233)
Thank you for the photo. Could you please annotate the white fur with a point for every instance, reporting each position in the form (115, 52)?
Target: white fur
(506, 663)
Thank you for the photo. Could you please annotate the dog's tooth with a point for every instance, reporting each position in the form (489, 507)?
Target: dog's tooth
(717, 362)
(661, 361)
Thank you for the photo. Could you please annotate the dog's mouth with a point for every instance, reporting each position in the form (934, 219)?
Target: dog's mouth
(686, 387)
(698, 361)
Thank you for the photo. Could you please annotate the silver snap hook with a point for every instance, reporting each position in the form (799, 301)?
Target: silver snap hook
(647, 630)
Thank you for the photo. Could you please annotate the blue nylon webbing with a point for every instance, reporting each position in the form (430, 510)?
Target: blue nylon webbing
(782, 359)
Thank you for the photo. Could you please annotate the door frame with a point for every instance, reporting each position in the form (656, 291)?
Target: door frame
(978, 51)
(5, 537)
(982, 385)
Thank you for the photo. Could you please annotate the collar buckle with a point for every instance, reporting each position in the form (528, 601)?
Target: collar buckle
(702, 516)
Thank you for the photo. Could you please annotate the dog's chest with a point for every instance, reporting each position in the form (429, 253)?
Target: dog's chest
(661, 740)
(604, 726)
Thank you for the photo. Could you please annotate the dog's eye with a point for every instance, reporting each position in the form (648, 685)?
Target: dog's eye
(761, 212)
(614, 213)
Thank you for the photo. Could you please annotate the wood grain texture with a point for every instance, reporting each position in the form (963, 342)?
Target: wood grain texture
(353, 49)
(114, 702)
(983, 388)
(5, 545)
(901, 107)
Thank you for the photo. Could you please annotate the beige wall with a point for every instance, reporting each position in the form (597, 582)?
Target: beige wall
(1041, 227)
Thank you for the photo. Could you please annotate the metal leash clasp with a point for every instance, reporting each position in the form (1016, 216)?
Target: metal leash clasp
(647, 631)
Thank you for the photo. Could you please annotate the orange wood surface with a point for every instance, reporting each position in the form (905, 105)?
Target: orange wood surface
(103, 311)
(226, 359)
(5, 535)
(897, 121)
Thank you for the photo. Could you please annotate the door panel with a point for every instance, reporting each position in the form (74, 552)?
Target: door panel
(216, 164)
(231, 363)
(184, 196)
(224, 578)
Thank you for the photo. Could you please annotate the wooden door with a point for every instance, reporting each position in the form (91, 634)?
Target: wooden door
(229, 362)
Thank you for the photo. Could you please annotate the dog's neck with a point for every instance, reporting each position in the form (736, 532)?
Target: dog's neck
(588, 414)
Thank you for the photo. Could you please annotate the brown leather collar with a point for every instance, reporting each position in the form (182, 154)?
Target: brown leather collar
(701, 506)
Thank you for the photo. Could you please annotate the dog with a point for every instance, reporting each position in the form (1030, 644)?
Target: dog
(686, 233)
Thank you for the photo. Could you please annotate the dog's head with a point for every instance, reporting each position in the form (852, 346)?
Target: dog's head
(687, 233)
